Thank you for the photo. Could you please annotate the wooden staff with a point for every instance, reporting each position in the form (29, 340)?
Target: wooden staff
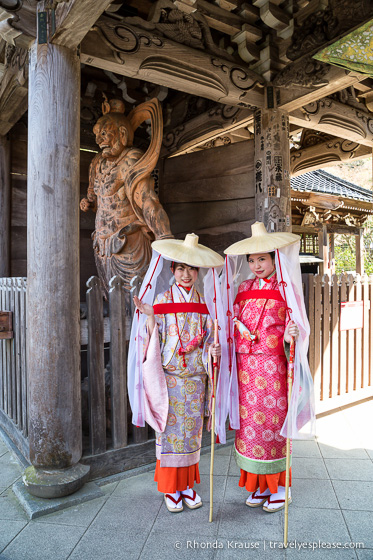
(287, 476)
(214, 375)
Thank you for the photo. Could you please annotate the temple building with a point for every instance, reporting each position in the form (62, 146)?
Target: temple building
(223, 112)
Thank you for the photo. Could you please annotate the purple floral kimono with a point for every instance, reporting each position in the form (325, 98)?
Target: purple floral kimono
(186, 375)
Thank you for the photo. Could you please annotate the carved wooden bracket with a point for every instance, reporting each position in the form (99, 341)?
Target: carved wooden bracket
(13, 88)
(130, 51)
(327, 153)
(273, 16)
(338, 119)
(219, 121)
(246, 39)
(18, 21)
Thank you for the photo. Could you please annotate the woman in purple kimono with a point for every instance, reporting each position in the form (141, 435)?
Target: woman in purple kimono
(186, 336)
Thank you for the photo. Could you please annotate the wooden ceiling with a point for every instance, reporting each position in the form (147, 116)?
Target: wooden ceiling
(209, 62)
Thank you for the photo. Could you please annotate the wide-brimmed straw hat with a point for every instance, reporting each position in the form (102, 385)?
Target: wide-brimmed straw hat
(261, 241)
(188, 251)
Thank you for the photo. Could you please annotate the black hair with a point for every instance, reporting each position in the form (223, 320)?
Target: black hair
(272, 254)
(174, 265)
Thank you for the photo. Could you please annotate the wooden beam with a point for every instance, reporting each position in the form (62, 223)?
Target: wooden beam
(338, 119)
(331, 228)
(294, 96)
(75, 18)
(220, 19)
(326, 154)
(218, 121)
(223, 161)
(242, 133)
(138, 53)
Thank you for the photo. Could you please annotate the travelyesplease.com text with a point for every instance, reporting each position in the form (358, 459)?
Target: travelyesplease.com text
(263, 545)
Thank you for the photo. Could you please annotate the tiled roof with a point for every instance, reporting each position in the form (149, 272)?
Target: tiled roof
(322, 182)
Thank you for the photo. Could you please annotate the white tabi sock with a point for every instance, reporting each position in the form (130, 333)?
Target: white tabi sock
(280, 495)
(189, 492)
(175, 496)
(256, 500)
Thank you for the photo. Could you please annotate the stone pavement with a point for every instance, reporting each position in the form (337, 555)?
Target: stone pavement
(332, 503)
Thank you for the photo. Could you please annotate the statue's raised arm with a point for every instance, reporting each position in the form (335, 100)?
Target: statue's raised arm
(129, 215)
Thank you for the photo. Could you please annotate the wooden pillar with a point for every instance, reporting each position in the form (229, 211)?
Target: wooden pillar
(4, 206)
(360, 252)
(272, 167)
(53, 336)
(323, 250)
(331, 254)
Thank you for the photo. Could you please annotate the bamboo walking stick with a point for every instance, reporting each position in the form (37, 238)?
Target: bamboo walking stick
(287, 475)
(214, 374)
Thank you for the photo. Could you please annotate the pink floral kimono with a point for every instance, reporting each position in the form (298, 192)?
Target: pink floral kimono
(262, 377)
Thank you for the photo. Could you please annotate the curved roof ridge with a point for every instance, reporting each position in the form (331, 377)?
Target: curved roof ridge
(323, 182)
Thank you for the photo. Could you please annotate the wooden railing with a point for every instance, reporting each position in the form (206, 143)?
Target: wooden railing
(13, 370)
(112, 442)
(114, 329)
(341, 362)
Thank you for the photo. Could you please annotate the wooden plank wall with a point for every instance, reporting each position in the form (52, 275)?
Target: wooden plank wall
(18, 266)
(211, 193)
(340, 361)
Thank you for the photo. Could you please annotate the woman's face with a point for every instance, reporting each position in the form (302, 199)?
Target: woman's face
(261, 264)
(185, 275)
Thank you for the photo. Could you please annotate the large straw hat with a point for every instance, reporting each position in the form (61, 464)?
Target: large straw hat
(261, 241)
(188, 251)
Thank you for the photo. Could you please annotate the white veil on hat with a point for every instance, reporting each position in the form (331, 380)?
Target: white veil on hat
(157, 280)
(301, 409)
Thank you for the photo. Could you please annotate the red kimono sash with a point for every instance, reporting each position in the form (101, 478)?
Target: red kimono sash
(259, 294)
(164, 308)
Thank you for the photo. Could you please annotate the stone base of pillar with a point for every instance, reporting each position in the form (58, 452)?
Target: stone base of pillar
(55, 483)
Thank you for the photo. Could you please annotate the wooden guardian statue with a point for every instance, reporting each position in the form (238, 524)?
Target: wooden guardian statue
(129, 215)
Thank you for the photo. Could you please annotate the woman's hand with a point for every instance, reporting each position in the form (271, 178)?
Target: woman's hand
(148, 311)
(291, 331)
(215, 350)
(143, 307)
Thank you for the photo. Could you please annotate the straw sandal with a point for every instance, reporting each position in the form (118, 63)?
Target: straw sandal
(176, 502)
(192, 499)
(273, 510)
(255, 496)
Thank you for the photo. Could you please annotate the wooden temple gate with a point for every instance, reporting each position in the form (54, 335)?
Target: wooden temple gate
(241, 78)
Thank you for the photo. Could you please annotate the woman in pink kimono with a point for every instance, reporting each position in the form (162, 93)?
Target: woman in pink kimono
(262, 333)
(185, 339)
(261, 329)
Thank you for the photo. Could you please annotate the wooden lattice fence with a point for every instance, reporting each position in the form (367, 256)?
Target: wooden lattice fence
(341, 361)
(13, 370)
